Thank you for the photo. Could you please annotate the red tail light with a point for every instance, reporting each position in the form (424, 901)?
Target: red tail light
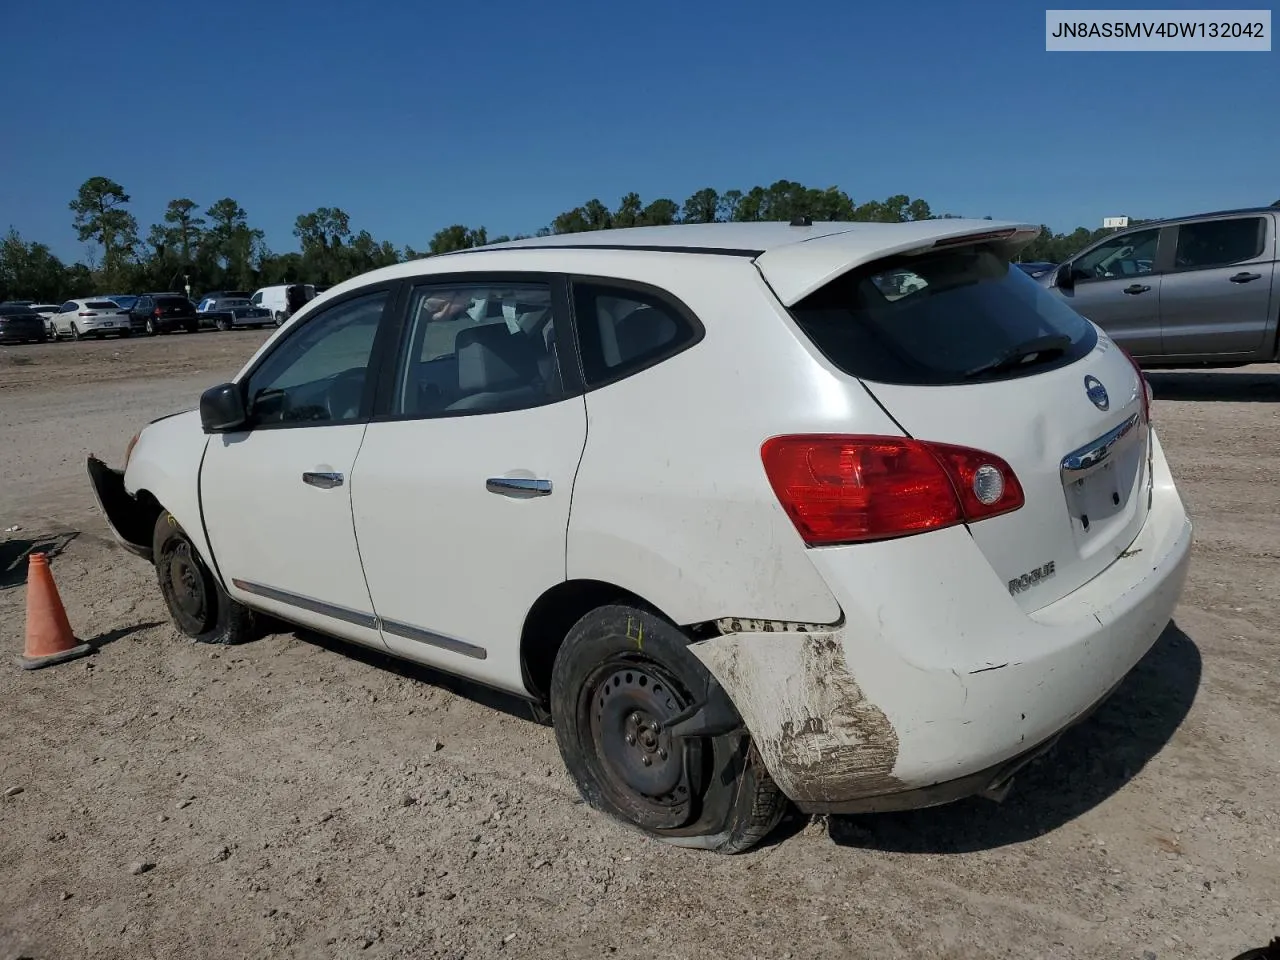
(853, 489)
(1146, 387)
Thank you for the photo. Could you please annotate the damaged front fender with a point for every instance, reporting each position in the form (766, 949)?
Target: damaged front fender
(130, 519)
(821, 740)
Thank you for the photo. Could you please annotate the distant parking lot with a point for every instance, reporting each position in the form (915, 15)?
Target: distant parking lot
(300, 798)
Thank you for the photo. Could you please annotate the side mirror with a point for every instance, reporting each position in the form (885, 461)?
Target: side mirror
(1065, 279)
(222, 409)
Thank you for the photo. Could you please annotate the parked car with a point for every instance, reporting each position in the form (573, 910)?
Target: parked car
(47, 311)
(276, 299)
(1035, 268)
(20, 324)
(165, 313)
(226, 312)
(1200, 290)
(821, 543)
(124, 300)
(91, 317)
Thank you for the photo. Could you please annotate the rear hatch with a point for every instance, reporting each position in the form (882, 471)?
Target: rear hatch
(175, 307)
(961, 347)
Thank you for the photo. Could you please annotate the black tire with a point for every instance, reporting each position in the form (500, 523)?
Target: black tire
(620, 675)
(75, 332)
(150, 328)
(223, 326)
(198, 605)
(277, 317)
(193, 327)
(124, 333)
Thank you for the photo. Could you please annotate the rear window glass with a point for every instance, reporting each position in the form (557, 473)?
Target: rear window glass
(102, 305)
(942, 318)
(172, 302)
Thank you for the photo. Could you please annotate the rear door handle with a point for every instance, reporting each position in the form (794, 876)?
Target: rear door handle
(518, 485)
(325, 481)
(1136, 288)
(1245, 277)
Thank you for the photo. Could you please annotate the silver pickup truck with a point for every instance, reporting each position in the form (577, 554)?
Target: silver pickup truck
(1192, 291)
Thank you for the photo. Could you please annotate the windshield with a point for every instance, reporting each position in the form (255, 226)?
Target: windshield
(936, 318)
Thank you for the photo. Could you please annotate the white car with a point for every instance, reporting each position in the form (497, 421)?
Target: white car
(79, 319)
(276, 299)
(745, 528)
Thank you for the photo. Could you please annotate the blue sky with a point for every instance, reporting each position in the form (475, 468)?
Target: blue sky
(412, 116)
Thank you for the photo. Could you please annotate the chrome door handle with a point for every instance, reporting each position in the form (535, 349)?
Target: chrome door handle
(509, 485)
(325, 481)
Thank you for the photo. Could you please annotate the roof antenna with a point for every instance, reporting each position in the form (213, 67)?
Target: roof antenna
(802, 221)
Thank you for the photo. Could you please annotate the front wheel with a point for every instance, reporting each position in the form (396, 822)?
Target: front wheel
(200, 608)
(277, 317)
(622, 680)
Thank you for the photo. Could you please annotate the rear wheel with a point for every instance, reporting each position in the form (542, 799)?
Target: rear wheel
(193, 327)
(200, 608)
(622, 680)
(151, 327)
(277, 317)
(75, 332)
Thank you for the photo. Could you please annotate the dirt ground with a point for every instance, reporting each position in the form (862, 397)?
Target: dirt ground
(302, 799)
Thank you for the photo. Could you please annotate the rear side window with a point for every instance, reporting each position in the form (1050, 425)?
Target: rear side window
(623, 330)
(1219, 243)
(959, 316)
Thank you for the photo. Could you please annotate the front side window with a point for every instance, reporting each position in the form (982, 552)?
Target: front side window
(478, 349)
(623, 330)
(1128, 255)
(318, 373)
(1219, 243)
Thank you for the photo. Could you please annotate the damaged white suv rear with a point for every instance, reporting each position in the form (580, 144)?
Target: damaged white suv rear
(852, 515)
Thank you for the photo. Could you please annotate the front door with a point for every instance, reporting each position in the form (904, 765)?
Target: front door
(1117, 288)
(277, 496)
(462, 491)
(1217, 299)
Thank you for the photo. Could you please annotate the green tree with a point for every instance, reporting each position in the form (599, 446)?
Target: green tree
(629, 211)
(182, 234)
(101, 218)
(30, 270)
(457, 237)
(233, 245)
(702, 207)
(660, 213)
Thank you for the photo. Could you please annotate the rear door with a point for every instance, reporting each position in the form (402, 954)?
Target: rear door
(927, 335)
(1218, 297)
(462, 489)
(1119, 288)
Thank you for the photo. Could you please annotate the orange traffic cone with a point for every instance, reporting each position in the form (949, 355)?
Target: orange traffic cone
(49, 636)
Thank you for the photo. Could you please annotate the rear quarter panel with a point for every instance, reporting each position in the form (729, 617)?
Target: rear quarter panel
(671, 500)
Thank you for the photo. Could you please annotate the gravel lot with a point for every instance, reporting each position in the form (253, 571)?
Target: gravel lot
(299, 798)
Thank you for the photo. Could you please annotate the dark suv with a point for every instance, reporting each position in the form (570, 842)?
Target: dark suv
(164, 313)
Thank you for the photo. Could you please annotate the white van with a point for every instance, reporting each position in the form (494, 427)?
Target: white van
(276, 299)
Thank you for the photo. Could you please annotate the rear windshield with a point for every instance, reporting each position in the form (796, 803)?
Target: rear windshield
(102, 305)
(172, 302)
(942, 318)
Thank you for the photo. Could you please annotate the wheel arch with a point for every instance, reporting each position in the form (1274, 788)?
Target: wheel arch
(552, 616)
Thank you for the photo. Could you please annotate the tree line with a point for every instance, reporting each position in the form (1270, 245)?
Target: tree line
(215, 247)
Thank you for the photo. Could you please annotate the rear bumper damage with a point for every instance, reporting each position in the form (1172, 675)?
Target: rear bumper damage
(131, 524)
(937, 686)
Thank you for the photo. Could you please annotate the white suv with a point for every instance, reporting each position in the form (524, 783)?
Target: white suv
(854, 515)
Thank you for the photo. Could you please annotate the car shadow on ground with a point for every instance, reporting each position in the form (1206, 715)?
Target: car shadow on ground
(484, 696)
(1215, 385)
(1089, 764)
(14, 553)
